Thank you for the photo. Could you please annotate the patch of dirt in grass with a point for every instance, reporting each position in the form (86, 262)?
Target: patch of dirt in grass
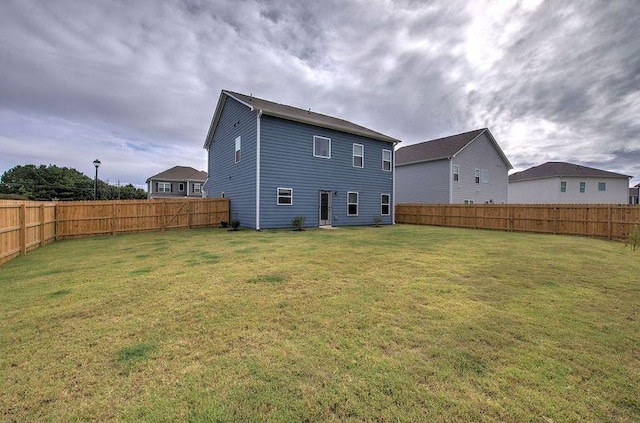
(267, 279)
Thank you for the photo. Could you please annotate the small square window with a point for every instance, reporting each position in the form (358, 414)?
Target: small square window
(285, 196)
(563, 186)
(358, 155)
(352, 204)
(321, 147)
(583, 187)
(386, 160)
(385, 204)
(602, 186)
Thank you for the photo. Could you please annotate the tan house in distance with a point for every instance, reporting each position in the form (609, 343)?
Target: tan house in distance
(177, 182)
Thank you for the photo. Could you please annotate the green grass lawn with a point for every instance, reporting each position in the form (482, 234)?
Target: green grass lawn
(403, 323)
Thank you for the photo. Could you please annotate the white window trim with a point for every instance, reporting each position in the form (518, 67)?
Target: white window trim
(563, 184)
(476, 177)
(456, 173)
(180, 186)
(278, 196)
(390, 160)
(382, 204)
(197, 189)
(164, 186)
(580, 185)
(314, 146)
(237, 155)
(353, 150)
(604, 185)
(357, 203)
(484, 176)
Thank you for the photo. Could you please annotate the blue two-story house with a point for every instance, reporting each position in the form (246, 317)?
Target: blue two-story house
(275, 162)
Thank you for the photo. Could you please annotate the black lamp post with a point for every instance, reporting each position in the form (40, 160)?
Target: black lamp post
(96, 163)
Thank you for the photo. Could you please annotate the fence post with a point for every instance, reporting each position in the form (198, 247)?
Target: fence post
(164, 204)
(188, 214)
(609, 222)
(23, 228)
(511, 219)
(113, 220)
(556, 229)
(444, 216)
(475, 216)
(41, 224)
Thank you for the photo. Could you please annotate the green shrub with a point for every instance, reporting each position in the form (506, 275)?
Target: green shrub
(298, 223)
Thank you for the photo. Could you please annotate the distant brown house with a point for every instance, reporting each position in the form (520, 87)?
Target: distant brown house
(179, 181)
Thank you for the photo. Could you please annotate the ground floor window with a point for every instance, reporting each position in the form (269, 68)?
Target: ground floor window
(164, 186)
(196, 187)
(352, 204)
(285, 196)
(385, 204)
(602, 186)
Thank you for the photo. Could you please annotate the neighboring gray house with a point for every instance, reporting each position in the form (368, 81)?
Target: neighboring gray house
(567, 183)
(179, 181)
(633, 194)
(275, 162)
(465, 168)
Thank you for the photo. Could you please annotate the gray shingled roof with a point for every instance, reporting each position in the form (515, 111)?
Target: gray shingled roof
(443, 148)
(180, 173)
(293, 113)
(559, 169)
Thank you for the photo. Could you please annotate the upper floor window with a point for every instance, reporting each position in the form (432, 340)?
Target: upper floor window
(583, 187)
(385, 204)
(321, 147)
(358, 155)
(602, 186)
(563, 186)
(197, 187)
(238, 148)
(352, 204)
(477, 176)
(386, 160)
(484, 176)
(285, 196)
(164, 186)
(456, 172)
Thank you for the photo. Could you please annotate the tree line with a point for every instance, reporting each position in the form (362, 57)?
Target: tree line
(50, 183)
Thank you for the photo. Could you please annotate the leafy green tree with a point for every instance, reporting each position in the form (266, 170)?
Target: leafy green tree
(59, 183)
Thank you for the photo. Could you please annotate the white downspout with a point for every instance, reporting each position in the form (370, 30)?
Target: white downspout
(258, 169)
(393, 189)
(450, 180)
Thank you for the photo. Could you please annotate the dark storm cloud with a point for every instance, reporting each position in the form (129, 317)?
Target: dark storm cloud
(137, 82)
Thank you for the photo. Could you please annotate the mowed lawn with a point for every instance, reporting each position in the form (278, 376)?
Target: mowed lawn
(402, 323)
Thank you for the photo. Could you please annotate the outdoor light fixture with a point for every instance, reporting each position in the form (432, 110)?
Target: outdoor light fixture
(96, 163)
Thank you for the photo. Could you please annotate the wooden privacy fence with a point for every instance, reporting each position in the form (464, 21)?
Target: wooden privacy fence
(613, 222)
(26, 225)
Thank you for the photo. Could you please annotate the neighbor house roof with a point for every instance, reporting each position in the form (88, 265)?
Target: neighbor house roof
(292, 113)
(562, 169)
(443, 148)
(180, 173)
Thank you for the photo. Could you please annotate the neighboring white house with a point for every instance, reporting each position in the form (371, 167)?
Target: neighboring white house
(463, 168)
(567, 183)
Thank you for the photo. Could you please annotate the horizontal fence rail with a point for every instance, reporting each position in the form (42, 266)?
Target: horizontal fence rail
(614, 222)
(26, 225)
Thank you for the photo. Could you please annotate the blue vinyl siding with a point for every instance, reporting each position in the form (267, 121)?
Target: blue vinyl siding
(236, 180)
(287, 161)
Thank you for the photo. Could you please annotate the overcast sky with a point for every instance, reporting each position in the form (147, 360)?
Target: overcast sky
(135, 83)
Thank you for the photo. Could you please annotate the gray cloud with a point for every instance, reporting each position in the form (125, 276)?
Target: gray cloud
(135, 83)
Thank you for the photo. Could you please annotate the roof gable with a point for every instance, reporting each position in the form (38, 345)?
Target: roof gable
(562, 169)
(444, 148)
(292, 113)
(181, 173)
